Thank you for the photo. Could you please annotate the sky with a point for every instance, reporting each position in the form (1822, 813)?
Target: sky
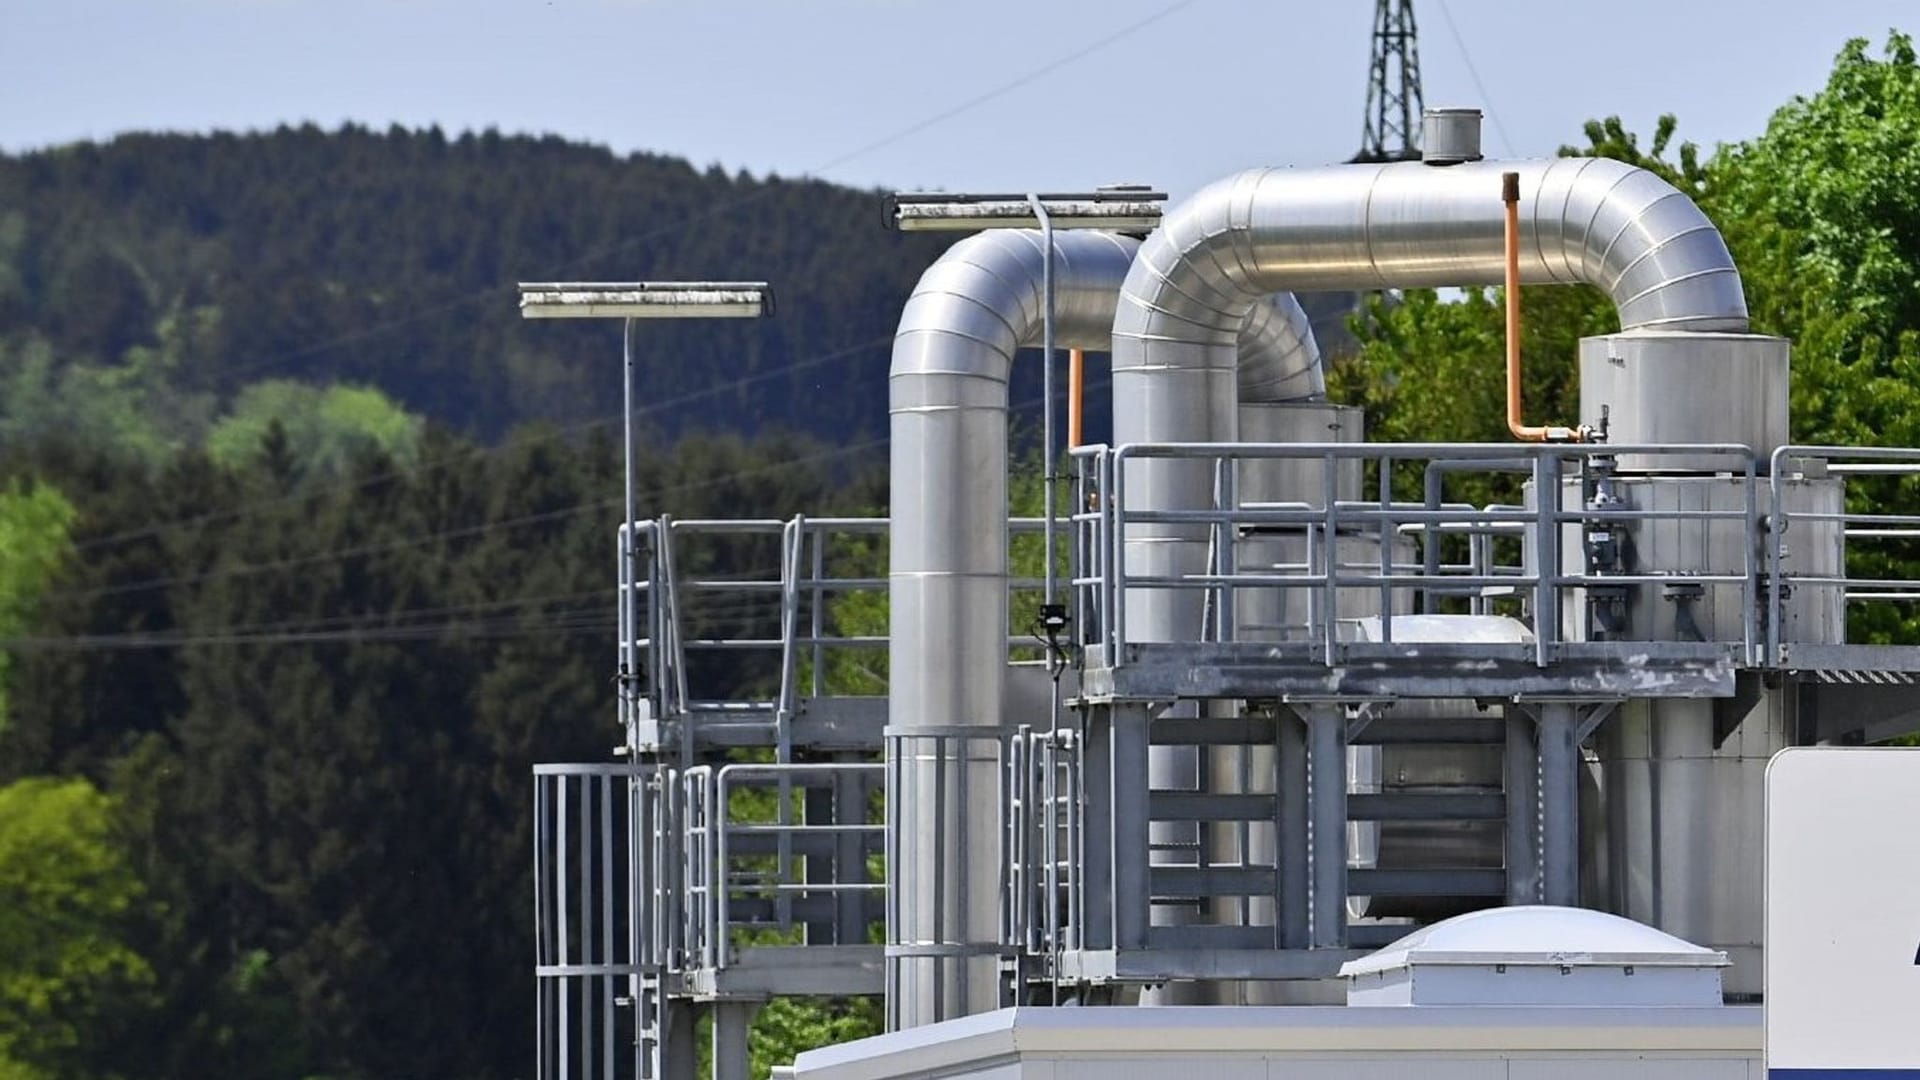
(987, 95)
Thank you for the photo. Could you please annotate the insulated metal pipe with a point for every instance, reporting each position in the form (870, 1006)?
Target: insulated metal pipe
(1397, 225)
(952, 358)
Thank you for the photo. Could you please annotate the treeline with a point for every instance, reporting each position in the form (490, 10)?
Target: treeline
(146, 281)
(315, 705)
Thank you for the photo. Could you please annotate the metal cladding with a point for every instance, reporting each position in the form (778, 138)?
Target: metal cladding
(947, 583)
(952, 358)
(1278, 359)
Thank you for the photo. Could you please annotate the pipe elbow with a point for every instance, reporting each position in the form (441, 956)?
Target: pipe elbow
(984, 299)
(1642, 241)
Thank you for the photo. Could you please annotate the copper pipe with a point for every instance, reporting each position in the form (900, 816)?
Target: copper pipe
(1510, 194)
(1076, 396)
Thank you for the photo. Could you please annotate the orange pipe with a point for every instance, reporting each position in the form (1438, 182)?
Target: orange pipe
(1076, 396)
(1510, 194)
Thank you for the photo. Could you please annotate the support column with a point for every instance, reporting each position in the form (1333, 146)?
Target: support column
(732, 1020)
(1096, 772)
(1131, 832)
(678, 1057)
(817, 807)
(1522, 761)
(851, 906)
(1559, 804)
(1327, 762)
(1290, 821)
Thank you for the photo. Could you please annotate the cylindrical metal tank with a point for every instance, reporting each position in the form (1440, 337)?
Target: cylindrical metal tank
(1683, 822)
(1672, 793)
(1686, 387)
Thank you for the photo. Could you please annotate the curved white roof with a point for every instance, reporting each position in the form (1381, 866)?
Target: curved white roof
(1537, 935)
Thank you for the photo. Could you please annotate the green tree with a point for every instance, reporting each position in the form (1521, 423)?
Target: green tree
(67, 893)
(33, 543)
(326, 429)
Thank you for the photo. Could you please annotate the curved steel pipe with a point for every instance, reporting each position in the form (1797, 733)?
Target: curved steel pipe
(1405, 224)
(953, 355)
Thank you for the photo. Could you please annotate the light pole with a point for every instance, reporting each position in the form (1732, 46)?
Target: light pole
(629, 302)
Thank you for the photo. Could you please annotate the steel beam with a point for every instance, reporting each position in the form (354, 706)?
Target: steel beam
(1522, 767)
(1559, 804)
(1294, 898)
(1327, 765)
(731, 1022)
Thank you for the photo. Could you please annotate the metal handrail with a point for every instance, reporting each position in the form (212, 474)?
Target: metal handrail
(653, 592)
(1864, 461)
(708, 828)
(1105, 518)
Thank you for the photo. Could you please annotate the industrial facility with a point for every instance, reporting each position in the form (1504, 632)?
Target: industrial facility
(1260, 749)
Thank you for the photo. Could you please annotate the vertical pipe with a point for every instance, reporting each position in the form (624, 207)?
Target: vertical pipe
(1327, 758)
(1510, 195)
(1046, 392)
(1076, 398)
(630, 662)
(1522, 767)
(1559, 804)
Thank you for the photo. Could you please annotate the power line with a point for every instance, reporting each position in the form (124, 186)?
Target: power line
(273, 635)
(419, 314)
(1486, 101)
(570, 510)
(1008, 87)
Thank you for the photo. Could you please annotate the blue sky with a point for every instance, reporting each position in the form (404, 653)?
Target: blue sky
(846, 88)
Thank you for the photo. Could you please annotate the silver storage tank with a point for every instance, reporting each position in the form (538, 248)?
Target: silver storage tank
(1676, 785)
(1670, 387)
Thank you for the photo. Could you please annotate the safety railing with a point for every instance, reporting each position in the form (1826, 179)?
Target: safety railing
(1876, 581)
(763, 857)
(603, 837)
(1046, 835)
(778, 622)
(1568, 481)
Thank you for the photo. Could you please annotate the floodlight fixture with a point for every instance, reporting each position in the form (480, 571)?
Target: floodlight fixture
(646, 300)
(1120, 208)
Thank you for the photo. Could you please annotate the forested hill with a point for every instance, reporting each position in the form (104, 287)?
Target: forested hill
(168, 272)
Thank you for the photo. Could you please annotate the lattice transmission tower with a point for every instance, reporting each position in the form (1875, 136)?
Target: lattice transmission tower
(1394, 100)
